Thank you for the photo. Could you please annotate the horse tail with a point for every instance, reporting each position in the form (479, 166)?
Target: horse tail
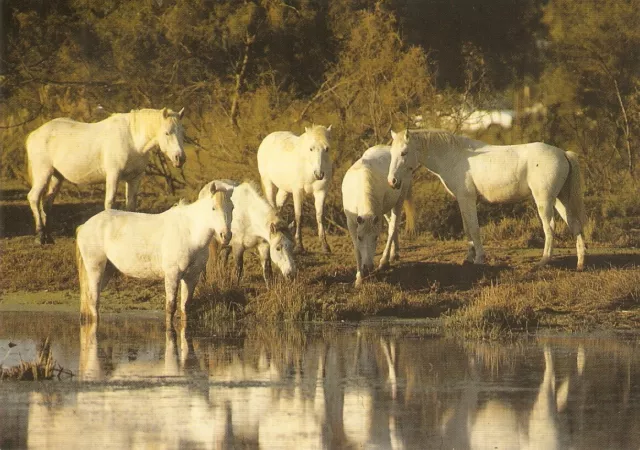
(85, 310)
(409, 212)
(573, 191)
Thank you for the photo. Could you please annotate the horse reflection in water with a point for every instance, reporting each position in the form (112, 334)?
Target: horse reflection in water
(135, 415)
(283, 397)
(497, 424)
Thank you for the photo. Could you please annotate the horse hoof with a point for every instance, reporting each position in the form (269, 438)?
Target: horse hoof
(466, 262)
(383, 265)
(326, 248)
(395, 257)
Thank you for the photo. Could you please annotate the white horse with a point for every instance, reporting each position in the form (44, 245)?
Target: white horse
(297, 165)
(255, 224)
(366, 197)
(173, 245)
(117, 148)
(498, 173)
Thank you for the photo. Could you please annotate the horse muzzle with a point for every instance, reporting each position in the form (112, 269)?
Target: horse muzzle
(225, 237)
(394, 183)
(366, 269)
(319, 175)
(179, 160)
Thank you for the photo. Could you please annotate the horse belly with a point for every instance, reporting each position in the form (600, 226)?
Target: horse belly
(499, 177)
(133, 251)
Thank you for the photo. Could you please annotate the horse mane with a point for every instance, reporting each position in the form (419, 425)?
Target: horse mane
(441, 139)
(371, 200)
(319, 132)
(147, 115)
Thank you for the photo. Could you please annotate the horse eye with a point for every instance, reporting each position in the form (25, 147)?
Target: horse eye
(311, 149)
(404, 153)
(279, 248)
(359, 238)
(167, 133)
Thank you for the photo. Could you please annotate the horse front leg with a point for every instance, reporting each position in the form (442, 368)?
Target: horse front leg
(297, 208)
(265, 260)
(319, 197)
(353, 232)
(132, 187)
(391, 238)
(171, 282)
(111, 187)
(238, 256)
(187, 287)
(469, 211)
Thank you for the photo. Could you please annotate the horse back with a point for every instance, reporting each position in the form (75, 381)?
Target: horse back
(77, 149)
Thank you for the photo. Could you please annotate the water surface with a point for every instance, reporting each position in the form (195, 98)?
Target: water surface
(369, 385)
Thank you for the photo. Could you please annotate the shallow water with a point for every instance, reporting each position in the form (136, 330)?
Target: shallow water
(367, 385)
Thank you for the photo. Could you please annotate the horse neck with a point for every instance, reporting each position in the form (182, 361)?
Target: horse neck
(439, 152)
(201, 227)
(143, 126)
(260, 212)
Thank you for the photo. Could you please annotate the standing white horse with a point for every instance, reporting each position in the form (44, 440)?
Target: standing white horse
(173, 245)
(297, 165)
(498, 173)
(366, 197)
(117, 148)
(255, 224)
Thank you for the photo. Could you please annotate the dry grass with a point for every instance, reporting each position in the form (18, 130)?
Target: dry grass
(495, 300)
(42, 368)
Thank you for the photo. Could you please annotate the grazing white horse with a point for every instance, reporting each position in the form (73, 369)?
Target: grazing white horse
(297, 165)
(366, 197)
(498, 173)
(117, 148)
(173, 245)
(255, 223)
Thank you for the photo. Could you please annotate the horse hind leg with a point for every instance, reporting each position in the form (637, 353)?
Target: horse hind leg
(574, 225)
(91, 276)
(55, 184)
(545, 211)
(40, 181)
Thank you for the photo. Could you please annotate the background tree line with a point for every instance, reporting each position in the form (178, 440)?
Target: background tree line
(244, 68)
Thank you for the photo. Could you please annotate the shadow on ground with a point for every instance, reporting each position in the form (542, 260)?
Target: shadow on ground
(17, 220)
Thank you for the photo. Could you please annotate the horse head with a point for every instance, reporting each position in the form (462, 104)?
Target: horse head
(367, 238)
(404, 159)
(281, 248)
(314, 146)
(171, 135)
(222, 210)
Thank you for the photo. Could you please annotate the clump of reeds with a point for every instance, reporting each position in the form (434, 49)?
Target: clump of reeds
(499, 311)
(288, 300)
(219, 297)
(42, 368)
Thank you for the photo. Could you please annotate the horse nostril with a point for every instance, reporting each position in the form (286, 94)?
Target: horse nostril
(394, 181)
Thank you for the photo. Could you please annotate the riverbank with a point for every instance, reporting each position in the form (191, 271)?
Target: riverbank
(506, 295)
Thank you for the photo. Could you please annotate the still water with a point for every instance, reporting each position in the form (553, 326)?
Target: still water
(385, 385)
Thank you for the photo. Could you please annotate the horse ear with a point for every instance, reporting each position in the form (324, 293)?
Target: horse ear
(306, 129)
(393, 134)
(292, 226)
(165, 113)
(213, 188)
(359, 219)
(272, 228)
(329, 127)
(375, 219)
(181, 113)
(406, 135)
